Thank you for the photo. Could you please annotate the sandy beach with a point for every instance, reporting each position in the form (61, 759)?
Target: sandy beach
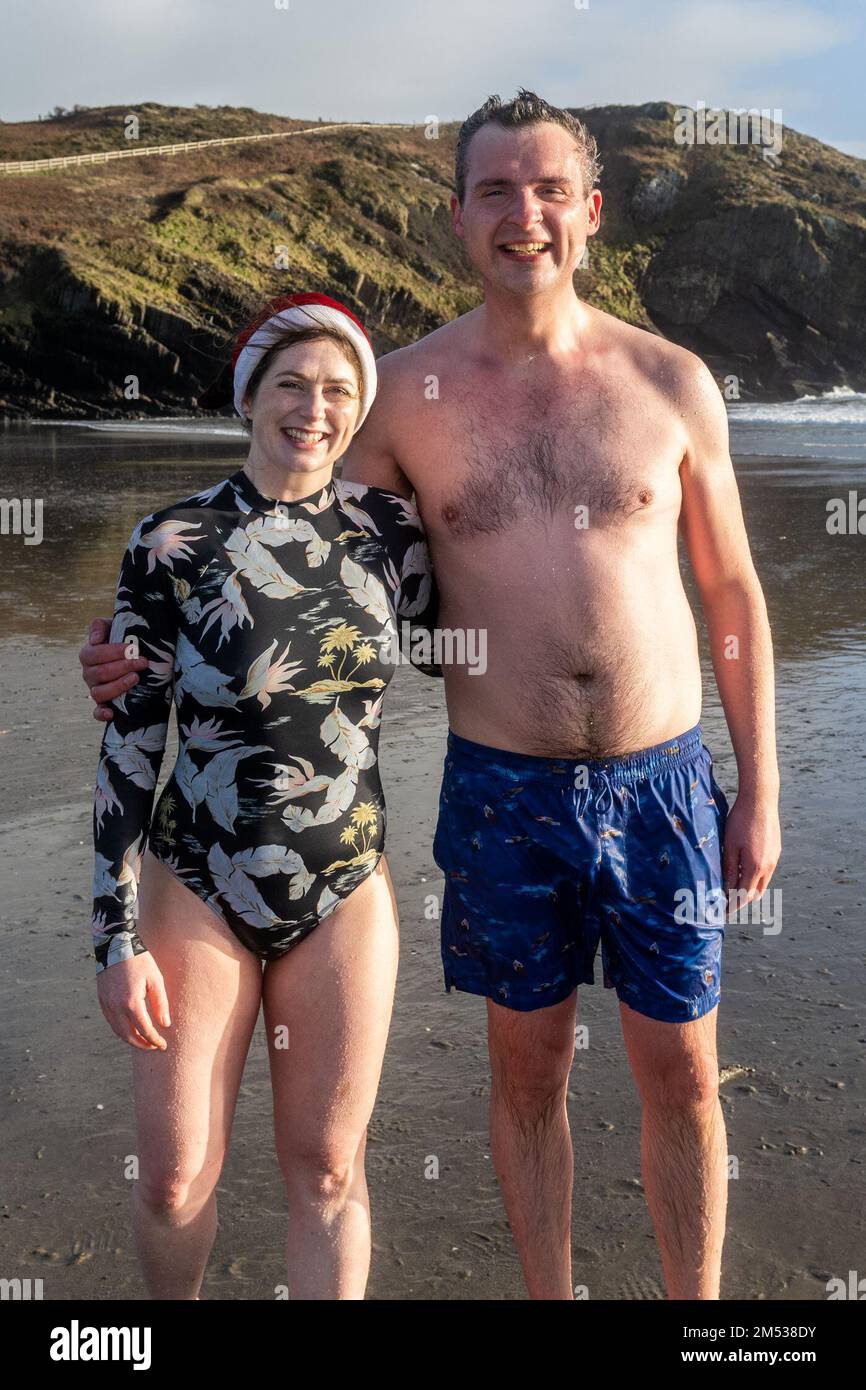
(791, 1024)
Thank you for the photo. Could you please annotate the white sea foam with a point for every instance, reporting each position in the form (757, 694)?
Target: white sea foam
(841, 406)
(178, 425)
(221, 428)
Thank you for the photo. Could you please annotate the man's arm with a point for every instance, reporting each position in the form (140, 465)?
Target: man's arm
(737, 626)
(372, 456)
(372, 461)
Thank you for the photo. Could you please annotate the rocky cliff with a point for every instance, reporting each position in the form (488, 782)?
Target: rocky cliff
(121, 283)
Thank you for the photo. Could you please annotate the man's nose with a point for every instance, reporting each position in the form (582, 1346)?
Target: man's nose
(526, 209)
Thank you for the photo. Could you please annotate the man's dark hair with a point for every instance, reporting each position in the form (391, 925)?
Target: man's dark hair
(526, 109)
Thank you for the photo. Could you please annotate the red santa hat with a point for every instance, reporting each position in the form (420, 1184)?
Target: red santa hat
(300, 311)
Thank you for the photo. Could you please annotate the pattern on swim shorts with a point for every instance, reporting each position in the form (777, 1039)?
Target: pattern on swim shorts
(538, 871)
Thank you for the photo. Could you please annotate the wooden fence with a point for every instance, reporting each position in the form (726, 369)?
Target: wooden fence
(30, 166)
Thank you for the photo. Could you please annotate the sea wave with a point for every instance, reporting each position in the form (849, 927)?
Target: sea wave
(179, 425)
(841, 406)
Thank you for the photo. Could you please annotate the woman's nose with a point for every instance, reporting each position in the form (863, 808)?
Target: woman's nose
(313, 406)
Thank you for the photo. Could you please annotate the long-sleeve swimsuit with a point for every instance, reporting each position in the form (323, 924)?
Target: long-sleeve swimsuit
(273, 627)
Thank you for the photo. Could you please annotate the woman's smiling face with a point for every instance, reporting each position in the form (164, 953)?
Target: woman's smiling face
(305, 407)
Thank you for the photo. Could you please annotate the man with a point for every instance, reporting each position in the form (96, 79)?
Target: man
(553, 451)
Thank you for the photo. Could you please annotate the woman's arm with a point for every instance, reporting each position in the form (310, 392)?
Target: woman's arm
(145, 621)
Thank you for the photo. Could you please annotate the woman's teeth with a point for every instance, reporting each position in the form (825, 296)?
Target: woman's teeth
(306, 436)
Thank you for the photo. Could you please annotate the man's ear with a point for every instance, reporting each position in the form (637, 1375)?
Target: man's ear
(456, 215)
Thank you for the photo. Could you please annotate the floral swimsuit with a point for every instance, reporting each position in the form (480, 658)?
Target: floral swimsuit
(273, 626)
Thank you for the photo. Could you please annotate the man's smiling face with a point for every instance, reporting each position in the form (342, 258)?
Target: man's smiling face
(525, 217)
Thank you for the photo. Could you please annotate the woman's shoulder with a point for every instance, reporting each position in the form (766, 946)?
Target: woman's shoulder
(187, 511)
(168, 534)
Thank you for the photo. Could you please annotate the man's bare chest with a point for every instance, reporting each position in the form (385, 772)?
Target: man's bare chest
(483, 467)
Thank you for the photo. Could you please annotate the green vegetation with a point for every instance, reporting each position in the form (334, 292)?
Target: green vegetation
(154, 262)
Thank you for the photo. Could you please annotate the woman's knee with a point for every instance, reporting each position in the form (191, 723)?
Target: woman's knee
(322, 1174)
(176, 1192)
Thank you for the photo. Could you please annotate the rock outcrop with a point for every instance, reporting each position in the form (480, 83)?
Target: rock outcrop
(120, 284)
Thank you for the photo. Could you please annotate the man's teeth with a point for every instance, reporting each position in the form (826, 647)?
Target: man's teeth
(526, 248)
(306, 436)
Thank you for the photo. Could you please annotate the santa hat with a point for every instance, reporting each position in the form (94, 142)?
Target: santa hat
(285, 312)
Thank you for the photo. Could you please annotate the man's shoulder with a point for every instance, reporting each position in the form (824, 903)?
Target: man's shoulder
(674, 371)
(674, 367)
(405, 362)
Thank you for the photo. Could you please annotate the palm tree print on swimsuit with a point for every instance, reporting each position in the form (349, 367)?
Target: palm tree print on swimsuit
(363, 816)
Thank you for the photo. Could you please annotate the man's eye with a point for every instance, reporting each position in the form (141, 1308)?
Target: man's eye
(291, 384)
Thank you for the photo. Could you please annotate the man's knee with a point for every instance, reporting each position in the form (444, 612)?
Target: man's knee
(690, 1082)
(530, 1067)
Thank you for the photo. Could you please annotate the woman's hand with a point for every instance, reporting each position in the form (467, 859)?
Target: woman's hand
(106, 669)
(129, 992)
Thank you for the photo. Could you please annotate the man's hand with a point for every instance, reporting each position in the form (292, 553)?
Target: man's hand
(105, 669)
(752, 845)
(129, 992)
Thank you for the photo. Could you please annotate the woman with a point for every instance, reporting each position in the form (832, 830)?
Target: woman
(265, 607)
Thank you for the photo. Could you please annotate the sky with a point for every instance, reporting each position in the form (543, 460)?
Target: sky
(408, 60)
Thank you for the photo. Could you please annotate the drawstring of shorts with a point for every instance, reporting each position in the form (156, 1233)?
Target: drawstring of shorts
(603, 795)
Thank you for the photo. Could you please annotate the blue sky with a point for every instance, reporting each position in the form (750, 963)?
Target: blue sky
(405, 60)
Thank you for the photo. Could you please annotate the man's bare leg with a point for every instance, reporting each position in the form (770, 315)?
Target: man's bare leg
(333, 993)
(185, 1097)
(530, 1059)
(683, 1146)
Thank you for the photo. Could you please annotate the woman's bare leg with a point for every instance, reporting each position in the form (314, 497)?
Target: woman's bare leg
(185, 1097)
(331, 997)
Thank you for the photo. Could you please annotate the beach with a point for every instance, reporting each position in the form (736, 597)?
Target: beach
(791, 1024)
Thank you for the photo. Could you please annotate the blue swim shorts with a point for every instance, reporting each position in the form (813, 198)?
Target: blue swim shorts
(545, 857)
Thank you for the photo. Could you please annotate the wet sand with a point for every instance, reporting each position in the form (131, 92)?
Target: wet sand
(791, 1025)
